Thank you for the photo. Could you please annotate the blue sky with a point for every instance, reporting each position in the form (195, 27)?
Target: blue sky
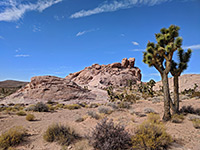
(58, 37)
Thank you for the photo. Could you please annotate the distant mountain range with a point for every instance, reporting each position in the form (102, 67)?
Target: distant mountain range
(12, 84)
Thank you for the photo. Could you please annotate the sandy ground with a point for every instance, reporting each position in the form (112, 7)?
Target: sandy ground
(187, 137)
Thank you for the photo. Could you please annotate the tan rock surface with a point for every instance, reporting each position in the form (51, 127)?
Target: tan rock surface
(101, 76)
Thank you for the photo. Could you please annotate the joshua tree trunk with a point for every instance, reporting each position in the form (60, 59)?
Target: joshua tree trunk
(167, 114)
(176, 94)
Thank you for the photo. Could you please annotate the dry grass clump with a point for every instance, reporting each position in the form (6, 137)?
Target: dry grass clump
(72, 106)
(153, 118)
(93, 114)
(177, 118)
(21, 113)
(104, 110)
(12, 137)
(196, 123)
(126, 105)
(30, 117)
(64, 135)
(107, 136)
(151, 136)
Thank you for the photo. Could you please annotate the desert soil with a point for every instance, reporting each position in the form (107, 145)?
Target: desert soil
(185, 135)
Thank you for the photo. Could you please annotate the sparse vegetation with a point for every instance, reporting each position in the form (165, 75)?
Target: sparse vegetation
(151, 135)
(104, 110)
(107, 136)
(72, 106)
(196, 123)
(21, 113)
(12, 137)
(30, 117)
(177, 118)
(64, 135)
(93, 114)
(189, 110)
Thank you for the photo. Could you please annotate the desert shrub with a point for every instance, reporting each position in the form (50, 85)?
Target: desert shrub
(177, 118)
(151, 136)
(72, 106)
(30, 117)
(126, 105)
(21, 113)
(51, 107)
(189, 110)
(12, 137)
(196, 123)
(83, 104)
(59, 106)
(41, 107)
(104, 110)
(149, 110)
(107, 136)
(113, 105)
(193, 117)
(30, 108)
(64, 135)
(93, 114)
(93, 105)
(79, 119)
(153, 118)
(196, 94)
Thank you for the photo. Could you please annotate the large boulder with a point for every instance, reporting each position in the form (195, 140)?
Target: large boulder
(115, 74)
(44, 88)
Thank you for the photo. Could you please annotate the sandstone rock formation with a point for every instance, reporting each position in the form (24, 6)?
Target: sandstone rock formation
(44, 88)
(186, 81)
(101, 76)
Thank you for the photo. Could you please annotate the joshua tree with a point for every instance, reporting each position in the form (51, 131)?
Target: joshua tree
(160, 56)
(176, 70)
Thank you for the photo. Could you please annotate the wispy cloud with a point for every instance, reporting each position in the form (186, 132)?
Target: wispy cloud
(154, 74)
(193, 47)
(36, 28)
(22, 55)
(1, 37)
(114, 6)
(137, 50)
(85, 31)
(135, 43)
(15, 10)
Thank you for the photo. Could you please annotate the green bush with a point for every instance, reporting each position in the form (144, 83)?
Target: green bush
(58, 133)
(72, 106)
(21, 113)
(30, 117)
(41, 107)
(151, 136)
(12, 137)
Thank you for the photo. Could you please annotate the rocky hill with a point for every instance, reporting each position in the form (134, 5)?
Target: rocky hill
(186, 81)
(101, 76)
(44, 88)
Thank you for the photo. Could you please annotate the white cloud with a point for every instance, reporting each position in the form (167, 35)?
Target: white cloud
(114, 6)
(22, 55)
(135, 43)
(36, 28)
(192, 47)
(154, 74)
(137, 50)
(14, 10)
(86, 31)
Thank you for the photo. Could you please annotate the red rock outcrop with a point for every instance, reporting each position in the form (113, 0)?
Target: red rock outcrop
(101, 76)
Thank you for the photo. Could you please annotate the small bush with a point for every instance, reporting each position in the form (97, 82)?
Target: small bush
(93, 114)
(151, 136)
(30, 108)
(93, 105)
(153, 118)
(72, 106)
(149, 110)
(113, 105)
(41, 107)
(107, 136)
(58, 133)
(21, 113)
(196, 123)
(177, 118)
(187, 109)
(12, 137)
(59, 106)
(30, 117)
(124, 105)
(104, 110)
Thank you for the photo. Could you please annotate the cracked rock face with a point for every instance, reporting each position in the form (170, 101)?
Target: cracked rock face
(102, 76)
(44, 88)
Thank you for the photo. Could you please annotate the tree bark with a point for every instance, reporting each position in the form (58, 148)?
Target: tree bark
(167, 114)
(176, 94)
